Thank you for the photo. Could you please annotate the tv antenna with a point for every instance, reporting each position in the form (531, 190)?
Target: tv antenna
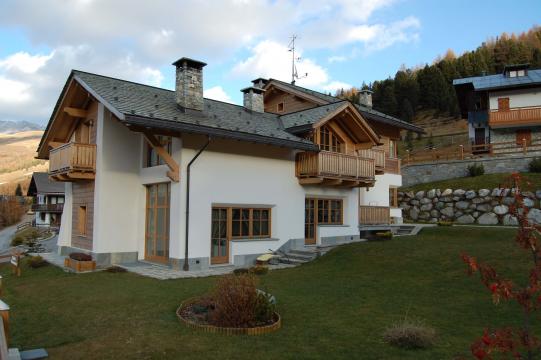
(294, 74)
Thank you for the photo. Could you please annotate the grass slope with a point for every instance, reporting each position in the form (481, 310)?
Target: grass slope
(335, 307)
(488, 181)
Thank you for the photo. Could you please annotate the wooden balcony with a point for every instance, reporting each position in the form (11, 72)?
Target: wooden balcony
(374, 215)
(379, 158)
(51, 208)
(334, 169)
(392, 166)
(515, 117)
(73, 162)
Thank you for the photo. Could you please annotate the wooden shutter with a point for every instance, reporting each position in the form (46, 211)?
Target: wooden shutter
(524, 134)
(503, 104)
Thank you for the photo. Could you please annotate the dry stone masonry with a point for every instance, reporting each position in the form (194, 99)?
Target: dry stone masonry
(484, 207)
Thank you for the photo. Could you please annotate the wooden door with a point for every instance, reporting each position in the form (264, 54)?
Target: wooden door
(310, 221)
(157, 223)
(219, 242)
(524, 135)
(479, 136)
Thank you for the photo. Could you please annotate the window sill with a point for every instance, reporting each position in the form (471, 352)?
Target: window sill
(254, 239)
(332, 225)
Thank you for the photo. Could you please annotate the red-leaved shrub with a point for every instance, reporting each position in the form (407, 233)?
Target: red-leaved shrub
(80, 256)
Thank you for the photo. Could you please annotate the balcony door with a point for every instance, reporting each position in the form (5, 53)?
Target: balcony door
(157, 223)
(310, 225)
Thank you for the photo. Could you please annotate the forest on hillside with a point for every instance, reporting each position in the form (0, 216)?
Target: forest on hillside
(430, 87)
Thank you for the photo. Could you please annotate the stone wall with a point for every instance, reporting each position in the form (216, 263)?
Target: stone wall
(443, 170)
(485, 207)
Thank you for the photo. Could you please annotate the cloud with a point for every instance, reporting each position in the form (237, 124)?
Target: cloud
(217, 93)
(333, 86)
(24, 62)
(337, 59)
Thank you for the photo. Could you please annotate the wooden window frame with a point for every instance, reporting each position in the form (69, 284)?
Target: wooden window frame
(167, 226)
(82, 216)
(501, 102)
(166, 142)
(393, 197)
(329, 209)
(523, 134)
(280, 107)
(328, 140)
(250, 220)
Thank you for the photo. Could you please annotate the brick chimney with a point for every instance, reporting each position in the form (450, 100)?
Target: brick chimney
(365, 98)
(253, 99)
(189, 83)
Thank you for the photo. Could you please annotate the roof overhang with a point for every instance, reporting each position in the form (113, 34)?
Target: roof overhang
(272, 83)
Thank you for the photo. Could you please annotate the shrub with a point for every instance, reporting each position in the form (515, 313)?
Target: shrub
(476, 170)
(259, 270)
(264, 307)
(445, 223)
(237, 303)
(17, 240)
(36, 262)
(384, 235)
(535, 165)
(240, 271)
(80, 256)
(410, 334)
(115, 269)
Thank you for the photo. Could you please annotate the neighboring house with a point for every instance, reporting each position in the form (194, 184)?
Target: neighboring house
(48, 199)
(167, 175)
(502, 109)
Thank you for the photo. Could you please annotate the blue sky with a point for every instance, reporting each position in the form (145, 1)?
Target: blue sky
(342, 42)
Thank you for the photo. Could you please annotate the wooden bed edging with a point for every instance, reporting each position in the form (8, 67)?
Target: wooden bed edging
(259, 330)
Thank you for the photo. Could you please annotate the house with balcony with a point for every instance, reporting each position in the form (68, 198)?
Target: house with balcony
(171, 177)
(48, 200)
(503, 110)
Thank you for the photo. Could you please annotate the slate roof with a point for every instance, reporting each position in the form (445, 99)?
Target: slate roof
(310, 116)
(41, 184)
(490, 82)
(368, 113)
(144, 105)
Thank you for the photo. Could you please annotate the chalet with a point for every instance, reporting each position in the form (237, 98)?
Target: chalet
(48, 199)
(502, 109)
(174, 178)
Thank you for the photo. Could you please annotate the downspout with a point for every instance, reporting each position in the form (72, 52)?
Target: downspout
(186, 266)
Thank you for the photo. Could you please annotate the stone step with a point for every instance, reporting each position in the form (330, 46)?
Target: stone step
(292, 261)
(300, 256)
(306, 253)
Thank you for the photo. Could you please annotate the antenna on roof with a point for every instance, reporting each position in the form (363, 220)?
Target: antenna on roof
(294, 75)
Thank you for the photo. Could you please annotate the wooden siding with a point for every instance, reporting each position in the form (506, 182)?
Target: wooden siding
(334, 165)
(291, 102)
(515, 117)
(374, 215)
(82, 195)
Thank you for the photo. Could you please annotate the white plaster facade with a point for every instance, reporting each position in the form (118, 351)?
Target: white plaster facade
(518, 98)
(227, 173)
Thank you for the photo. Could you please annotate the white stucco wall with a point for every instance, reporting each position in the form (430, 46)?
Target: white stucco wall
(379, 194)
(517, 98)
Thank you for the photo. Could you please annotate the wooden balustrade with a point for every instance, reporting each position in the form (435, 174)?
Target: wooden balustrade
(331, 165)
(48, 207)
(517, 116)
(73, 161)
(392, 166)
(374, 215)
(377, 154)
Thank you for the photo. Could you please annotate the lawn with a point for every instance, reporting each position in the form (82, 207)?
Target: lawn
(488, 181)
(335, 307)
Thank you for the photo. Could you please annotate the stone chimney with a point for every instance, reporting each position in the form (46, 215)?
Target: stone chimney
(260, 82)
(189, 83)
(253, 99)
(365, 98)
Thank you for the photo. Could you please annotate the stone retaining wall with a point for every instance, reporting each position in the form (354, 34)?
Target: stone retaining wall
(443, 170)
(485, 207)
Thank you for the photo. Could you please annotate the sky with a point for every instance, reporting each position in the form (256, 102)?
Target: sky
(341, 43)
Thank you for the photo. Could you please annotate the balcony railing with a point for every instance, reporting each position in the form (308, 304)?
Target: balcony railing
(331, 165)
(48, 207)
(374, 215)
(73, 161)
(517, 116)
(392, 165)
(377, 154)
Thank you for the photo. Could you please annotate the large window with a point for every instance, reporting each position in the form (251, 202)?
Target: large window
(157, 222)
(151, 156)
(330, 211)
(250, 223)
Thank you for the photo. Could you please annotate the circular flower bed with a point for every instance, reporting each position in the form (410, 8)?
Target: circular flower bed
(235, 306)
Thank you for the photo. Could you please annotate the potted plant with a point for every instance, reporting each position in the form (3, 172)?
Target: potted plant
(80, 262)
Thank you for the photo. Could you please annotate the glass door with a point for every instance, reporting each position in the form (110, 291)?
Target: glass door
(309, 221)
(219, 244)
(157, 223)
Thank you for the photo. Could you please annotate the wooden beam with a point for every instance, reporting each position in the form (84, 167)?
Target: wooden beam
(81, 175)
(351, 183)
(55, 144)
(308, 181)
(75, 112)
(174, 168)
(332, 182)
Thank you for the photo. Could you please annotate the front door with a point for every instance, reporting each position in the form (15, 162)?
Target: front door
(479, 136)
(157, 223)
(219, 244)
(309, 221)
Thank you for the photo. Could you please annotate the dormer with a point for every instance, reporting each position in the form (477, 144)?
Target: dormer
(514, 71)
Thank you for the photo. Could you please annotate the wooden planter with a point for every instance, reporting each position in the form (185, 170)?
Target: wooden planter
(79, 266)
(259, 330)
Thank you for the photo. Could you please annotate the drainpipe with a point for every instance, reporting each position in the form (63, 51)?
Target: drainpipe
(186, 266)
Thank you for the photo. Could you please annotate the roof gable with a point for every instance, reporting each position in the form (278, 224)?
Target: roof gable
(41, 184)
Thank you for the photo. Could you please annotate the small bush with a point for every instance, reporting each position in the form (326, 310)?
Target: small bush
(115, 269)
(80, 256)
(264, 307)
(36, 262)
(384, 235)
(476, 170)
(410, 334)
(241, 271)
(17, 240)
(535, 165)
(259, 270)
(445, 223)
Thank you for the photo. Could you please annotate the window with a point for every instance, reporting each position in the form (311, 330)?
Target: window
(280, 107)
(330, 211)
(42, 216)
(81, 220)
(250, 223)
(503, 104)
(60, 200)
(328, 141)
(151, 157)
(512, 73)
(392, 148)
(525, 134)
(393, 197)
(157, 222)
(521, 73)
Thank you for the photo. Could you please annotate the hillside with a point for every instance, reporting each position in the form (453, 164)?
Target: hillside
(13, 127)
(17, 162)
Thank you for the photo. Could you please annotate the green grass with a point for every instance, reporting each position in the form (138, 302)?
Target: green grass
(488, 181)
(335, 307)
